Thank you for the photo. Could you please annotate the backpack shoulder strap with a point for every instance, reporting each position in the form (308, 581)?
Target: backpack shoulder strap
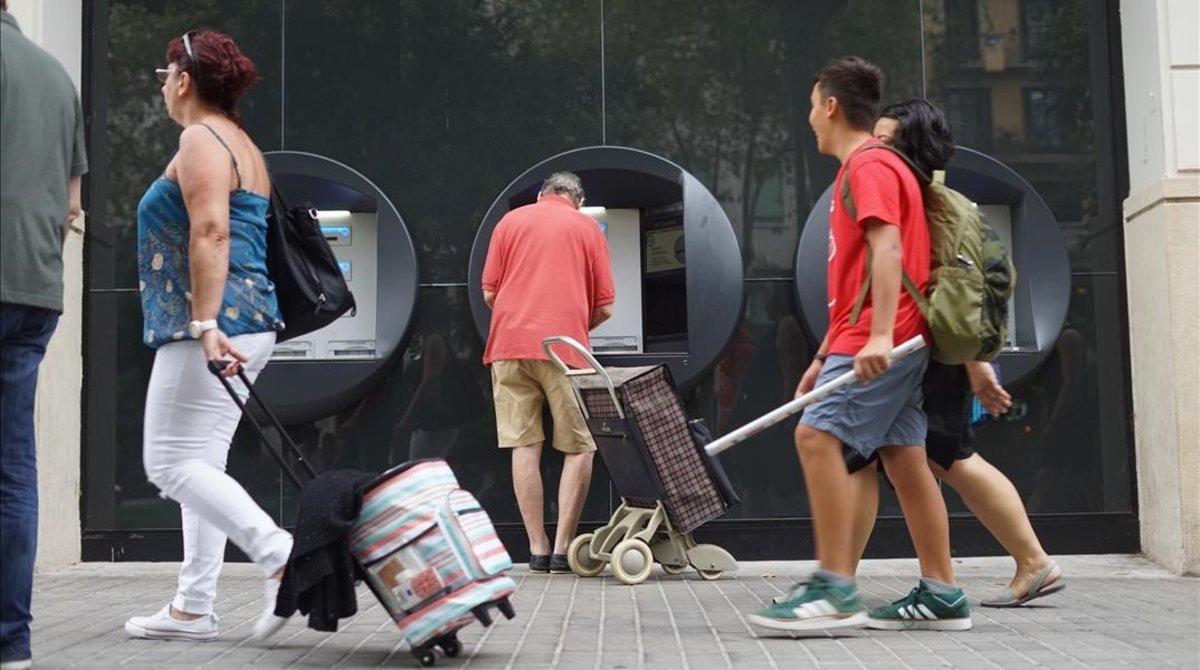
(847, 198)
(909, 285)
(237, 172)
(922, 178)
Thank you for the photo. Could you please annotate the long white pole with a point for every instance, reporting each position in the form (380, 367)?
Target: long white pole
(796, 406)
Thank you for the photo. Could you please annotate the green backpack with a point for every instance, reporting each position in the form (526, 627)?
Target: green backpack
(971, 279)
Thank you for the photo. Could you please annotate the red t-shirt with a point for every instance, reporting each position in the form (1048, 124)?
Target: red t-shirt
(884, 188)
(550, 268)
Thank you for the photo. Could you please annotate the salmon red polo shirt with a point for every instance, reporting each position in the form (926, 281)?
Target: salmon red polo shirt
(550, 268)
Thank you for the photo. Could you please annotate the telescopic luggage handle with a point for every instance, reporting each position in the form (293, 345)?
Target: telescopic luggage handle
(216, 367)
(596, 369)
(794, 407)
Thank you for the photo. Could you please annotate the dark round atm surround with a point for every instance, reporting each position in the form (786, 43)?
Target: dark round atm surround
(300, 391)
(1039, 251)
(625, 177)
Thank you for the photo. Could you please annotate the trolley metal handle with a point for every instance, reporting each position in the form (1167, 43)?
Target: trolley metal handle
(796, 406)
(596, 369)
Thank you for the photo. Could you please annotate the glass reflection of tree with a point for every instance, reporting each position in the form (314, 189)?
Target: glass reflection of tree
(722, 89)
(444, 101)
(141, 137)
(1030, 67)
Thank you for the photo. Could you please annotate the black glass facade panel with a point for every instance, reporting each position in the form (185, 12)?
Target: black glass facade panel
(118, 495)
(1028, 82)
(722, 89)
(441, 104)
(1064, 444)
(141, 138)
(436, 403)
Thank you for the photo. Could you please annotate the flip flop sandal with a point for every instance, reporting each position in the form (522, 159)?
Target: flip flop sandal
(1037, 589)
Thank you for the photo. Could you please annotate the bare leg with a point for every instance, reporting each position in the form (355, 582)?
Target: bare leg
(866, 506)
(829, 498)
(924, 509)
(527, 483)
(572, 491)
(994, 500)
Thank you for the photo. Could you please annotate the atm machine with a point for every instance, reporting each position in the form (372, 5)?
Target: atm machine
(621, 334)
(1023, 221)
(649, 274)
(354, 239)
(672, 307)
(323, 372)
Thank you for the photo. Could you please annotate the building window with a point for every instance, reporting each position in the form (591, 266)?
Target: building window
(970, 112)
(962, 30)
(1036, 17)
(1044, 128)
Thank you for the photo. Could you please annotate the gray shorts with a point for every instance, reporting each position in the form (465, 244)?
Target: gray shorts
(885, 412)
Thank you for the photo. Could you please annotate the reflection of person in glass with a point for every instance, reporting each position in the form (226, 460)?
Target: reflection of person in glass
(921, 131)
(441, 401)
(885, 237)
(548, 272)
(206, 297)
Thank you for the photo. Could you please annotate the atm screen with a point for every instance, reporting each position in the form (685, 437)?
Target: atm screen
(663, 246)
(664, 281)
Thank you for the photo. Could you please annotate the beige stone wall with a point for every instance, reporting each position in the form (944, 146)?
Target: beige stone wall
(57, 25)
(1162, 265)
(1161, 240)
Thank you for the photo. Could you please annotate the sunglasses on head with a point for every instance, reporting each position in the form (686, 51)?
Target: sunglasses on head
(162, 73)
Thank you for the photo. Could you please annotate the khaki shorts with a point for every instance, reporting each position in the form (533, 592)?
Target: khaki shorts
(519, 388)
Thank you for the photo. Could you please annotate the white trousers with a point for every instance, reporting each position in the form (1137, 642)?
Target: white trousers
(189, 423)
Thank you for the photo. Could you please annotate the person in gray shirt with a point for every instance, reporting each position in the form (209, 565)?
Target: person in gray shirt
(41, 160)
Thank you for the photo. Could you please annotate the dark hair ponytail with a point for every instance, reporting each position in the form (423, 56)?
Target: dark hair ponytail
(924, 134)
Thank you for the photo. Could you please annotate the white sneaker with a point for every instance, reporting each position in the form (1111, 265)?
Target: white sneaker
(268, 624)
(22, 664)
(163, 626)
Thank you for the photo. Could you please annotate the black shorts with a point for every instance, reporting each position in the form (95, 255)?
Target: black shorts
(948, 409)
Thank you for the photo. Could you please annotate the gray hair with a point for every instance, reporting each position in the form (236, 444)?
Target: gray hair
(564, 183)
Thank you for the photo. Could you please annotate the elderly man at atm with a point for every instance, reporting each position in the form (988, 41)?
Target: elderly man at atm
(548, 272)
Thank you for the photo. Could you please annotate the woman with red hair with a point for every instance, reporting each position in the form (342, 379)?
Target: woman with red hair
(206, 296)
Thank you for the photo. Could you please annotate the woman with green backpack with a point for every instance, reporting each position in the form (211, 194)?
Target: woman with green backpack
(921, 133)
(920, 130)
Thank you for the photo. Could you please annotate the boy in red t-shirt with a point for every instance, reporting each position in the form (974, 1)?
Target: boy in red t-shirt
(882, 415)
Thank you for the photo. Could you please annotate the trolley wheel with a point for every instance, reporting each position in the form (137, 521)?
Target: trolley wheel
(451, 646)
(710, 575)
(632, 561)
(674, 569)
(425, 657)
(579, 557)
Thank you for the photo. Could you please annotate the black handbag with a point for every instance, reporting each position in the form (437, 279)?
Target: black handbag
(309, 284)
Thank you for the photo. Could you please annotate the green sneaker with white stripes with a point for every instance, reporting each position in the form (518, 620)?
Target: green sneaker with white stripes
(922, 609)
(821, 605)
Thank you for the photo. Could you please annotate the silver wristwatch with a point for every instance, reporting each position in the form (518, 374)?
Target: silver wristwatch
(198, 328)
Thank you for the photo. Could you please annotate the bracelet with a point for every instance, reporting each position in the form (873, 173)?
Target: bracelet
(820, 358)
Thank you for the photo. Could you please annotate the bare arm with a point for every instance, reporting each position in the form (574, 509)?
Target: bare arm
(808, 380)
(74, 202)
(886, 269)
(600, 315)
(205, 172)
(886, 256)
(489, 298)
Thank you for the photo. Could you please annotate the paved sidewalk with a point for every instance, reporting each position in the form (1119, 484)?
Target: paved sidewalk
(1117, 611)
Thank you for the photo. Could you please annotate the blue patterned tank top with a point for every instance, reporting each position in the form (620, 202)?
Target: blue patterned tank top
(249, 304)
